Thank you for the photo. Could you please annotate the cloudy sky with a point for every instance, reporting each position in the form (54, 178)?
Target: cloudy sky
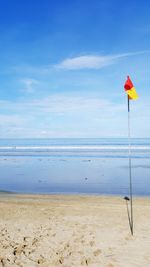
(63, 65)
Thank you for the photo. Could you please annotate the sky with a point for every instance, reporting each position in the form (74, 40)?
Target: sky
(63, 65)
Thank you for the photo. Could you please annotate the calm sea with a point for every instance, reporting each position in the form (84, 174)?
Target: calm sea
(90, 166)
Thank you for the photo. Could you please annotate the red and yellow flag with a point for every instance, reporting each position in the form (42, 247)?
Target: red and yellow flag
(130, 90)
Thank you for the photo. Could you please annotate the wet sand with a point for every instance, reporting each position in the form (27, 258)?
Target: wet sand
(73, 231)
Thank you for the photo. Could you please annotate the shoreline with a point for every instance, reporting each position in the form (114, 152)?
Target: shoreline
(71, 194)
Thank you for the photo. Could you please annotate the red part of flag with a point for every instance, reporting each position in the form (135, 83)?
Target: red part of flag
(128, 84)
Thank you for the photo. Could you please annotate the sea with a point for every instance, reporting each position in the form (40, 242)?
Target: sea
(74, 166)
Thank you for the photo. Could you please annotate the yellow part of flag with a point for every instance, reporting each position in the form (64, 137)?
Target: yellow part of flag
(132, 93)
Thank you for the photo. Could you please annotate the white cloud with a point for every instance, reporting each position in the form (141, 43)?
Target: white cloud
(9, 119)
(56, 104)
(89, 61)
(56, 116)
(93, 62)
(71, 116)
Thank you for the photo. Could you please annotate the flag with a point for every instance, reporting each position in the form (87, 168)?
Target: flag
(130, 90)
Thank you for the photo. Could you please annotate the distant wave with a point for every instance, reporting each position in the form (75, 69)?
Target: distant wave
(76, 150)
(73, 147)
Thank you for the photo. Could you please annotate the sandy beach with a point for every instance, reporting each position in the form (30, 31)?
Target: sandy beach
(59, 230)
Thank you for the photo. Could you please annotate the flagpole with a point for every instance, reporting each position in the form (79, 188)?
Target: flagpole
(130, 173)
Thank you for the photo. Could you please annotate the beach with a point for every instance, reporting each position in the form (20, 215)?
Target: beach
(73, 230)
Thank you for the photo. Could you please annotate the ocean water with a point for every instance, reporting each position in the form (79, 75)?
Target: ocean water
(90, 166)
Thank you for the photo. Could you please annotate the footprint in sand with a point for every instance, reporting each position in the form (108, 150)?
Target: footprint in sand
(41, 260)
(3, 262)
(35, 240)
(54, 234)
(110, 265)
(85, 261)
(92, 243)
(97, 252)
(66, 246)
(61, 260)
(19, 249)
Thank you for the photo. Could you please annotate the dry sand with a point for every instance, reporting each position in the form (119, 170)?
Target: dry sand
(73, 231)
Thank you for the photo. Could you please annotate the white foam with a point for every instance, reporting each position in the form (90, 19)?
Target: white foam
(73, 147)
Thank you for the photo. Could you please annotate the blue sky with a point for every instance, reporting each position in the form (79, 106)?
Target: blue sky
(63, 65)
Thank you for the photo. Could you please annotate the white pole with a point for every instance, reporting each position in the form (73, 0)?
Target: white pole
(130, 173)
